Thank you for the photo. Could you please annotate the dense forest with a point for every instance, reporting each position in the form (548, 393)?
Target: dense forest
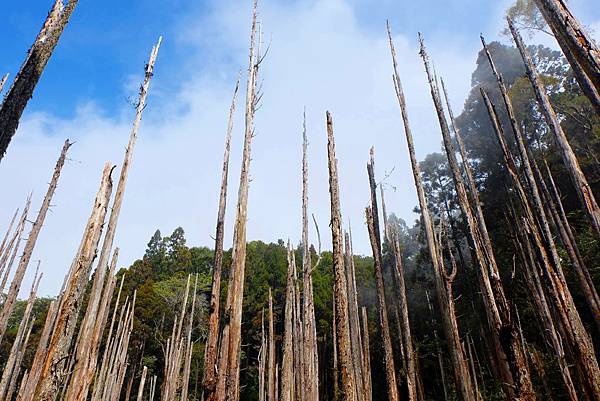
(492, 294)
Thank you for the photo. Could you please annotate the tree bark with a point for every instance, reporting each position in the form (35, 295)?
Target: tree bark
(28, 76)
(348, 388)
(233, 309)
(287, 372)
(372, 215)
(366, 351)
(212, 339)
(581, 46)
(52, 373)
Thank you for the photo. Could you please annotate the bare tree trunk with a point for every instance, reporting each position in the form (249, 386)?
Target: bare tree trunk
(12, 365)
(348, 389)
(8, 259)
(582, 48)
(8, 231)
(583, 189)
(311, 357)
(3, 81)
(354, 322)
(11, 298)
(287, 372)
(271, 354)
(230, 345)
(374, 234)
(411, 374)
(366, 351)
(52, 374)
(262, 362)
(140, 394)
(336, 378)
(28, 76)
(212, 339)
(461, 373)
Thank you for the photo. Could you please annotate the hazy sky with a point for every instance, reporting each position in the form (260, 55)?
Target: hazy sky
(325, 55)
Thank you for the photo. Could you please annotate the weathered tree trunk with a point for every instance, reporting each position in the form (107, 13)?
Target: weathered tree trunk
(311, 357)
(27, 78)
(231, 341)
(354, 322)
(342, 335)
(52, 372)
(372, 215)
(582, 50)
(8, 231)
(8, 259)
(583, 189)
(212, 339)
(287, 372)
(3, 81)
(366, 351)
(140, 393)
(271, 354)
(11, 298)
(497, 307)
(13, 365)
(262, 362)
(461, 373)
(411, 374)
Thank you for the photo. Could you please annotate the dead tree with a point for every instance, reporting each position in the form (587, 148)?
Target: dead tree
(461, 372)
(583, 189)
(354, 322)
(52, 372)
(366, 351)
(212, 339)
(342, 335)
(262, 362)
(28, 76)
(505, 335)
(140, 394)
(7, 260)
(231, 339)
(411, 373)
(538, 228)
(311, 357)
(15, 285)
(287, 371)
(372, 215)
(3, 81)
(271, 354)
(8, 231)
(581, 48)
(13, 362)
(87, 352)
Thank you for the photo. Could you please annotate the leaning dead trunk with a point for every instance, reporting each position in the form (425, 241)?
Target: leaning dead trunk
(582, 48)
(372, 215)
(11, 298)
(26, 80)
(461, 373)
(342, 335)
(411, 373)
(212, 339)
(52, 372)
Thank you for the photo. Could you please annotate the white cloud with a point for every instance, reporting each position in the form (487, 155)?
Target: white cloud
(319, 58)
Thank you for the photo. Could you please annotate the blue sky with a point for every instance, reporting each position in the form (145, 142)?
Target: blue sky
(325, 55)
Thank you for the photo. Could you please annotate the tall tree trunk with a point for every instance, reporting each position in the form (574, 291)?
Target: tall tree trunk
(411, 374)
(372, 215)
(231, 341)
(28, 76)
(583, 189)
(212, 337)
(271, 354)
(287, 371)
(52, 373)
(498, 309)
(311, 357)
(366, 351)
(582, 49)
(348, 389)
(461, 373)
(11, 298)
